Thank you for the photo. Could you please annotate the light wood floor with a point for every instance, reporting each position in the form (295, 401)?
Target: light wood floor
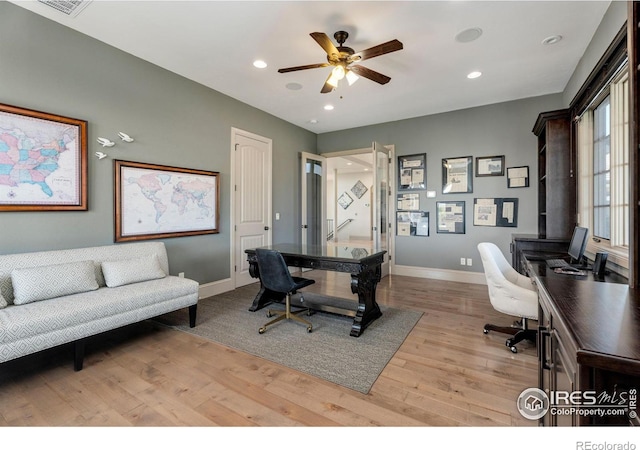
(446, 373)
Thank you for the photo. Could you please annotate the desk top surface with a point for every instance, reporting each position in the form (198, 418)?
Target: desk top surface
(325, 252)
(537, 262)
(603, 317)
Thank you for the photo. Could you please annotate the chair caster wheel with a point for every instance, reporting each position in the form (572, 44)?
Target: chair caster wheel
(269, 314)
(485, 331)
(511, 346)
(513, 349)
(262, 330)
(309, 329)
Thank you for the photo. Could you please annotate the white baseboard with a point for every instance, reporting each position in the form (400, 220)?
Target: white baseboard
(215, 288)
(439, 274)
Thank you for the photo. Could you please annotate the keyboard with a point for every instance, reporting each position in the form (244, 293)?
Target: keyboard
(555, 263)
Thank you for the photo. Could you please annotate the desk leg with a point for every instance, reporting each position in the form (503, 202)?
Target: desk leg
(264, 296)
(364, 284)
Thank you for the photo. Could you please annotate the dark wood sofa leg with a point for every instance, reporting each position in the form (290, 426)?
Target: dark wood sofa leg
(192, 315)
(79, 355)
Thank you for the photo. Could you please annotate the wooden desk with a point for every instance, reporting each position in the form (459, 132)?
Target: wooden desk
(364, 265)
(588, 339)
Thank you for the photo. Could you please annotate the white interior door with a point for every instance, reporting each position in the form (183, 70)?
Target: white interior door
(251, 199)
(313, 186)
(380, 201)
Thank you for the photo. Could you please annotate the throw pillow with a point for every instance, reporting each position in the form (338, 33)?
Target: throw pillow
(127, 271)
(40, 283)
(3, 302)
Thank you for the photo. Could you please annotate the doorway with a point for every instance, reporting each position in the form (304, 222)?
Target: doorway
(251, 206)
(346, 199)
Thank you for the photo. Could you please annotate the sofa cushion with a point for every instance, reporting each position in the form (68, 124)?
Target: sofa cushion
(127, 271)
(72, 317)
(31, 284)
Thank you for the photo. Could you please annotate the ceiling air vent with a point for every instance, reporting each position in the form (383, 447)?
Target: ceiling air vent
(70, 8)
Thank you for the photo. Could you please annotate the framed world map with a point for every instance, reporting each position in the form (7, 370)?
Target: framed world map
(43, 161)
(155, 202)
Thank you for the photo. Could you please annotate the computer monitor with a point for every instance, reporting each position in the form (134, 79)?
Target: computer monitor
(578, 244)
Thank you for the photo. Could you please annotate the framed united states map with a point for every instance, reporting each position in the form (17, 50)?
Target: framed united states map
(154, 201)
(43, 161)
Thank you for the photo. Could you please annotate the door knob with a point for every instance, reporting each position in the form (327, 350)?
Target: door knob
(266, 228)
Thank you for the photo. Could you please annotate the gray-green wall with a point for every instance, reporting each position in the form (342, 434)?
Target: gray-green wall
(611, 23)
(175, 122)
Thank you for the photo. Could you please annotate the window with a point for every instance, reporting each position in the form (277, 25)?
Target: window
(603, 167)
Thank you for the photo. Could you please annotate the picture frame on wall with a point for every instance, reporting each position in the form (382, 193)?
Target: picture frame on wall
(457, 175)
(518, 177)
(345, 200)
(43, 165)
(359, 189)
(412, 172)
(412, 223)
(450, 217)
(490, 166)
(156, 202)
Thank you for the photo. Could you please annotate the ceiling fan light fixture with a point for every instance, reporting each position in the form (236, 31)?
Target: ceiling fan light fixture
(338, 72)
(260, 64)
(342, 57)
(333, 80)
(351, 77)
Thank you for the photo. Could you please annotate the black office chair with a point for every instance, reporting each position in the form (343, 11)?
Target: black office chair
(275, 276)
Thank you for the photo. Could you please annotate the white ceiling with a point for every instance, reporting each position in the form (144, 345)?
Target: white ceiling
(215, 43)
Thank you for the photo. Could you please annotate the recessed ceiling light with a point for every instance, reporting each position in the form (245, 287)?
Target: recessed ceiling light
(328, 107)
(313, 121)
(293, 86)
(260, 64)
(473, 75)
(469, 35)
(552, 40)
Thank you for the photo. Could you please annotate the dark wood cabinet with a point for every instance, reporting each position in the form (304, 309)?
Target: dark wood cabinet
(556, 175)
(557, 367)
(588, 347)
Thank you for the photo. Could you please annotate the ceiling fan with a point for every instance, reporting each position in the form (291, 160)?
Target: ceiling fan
(342, 58)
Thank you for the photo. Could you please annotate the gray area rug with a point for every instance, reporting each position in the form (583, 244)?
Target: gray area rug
(328, 352)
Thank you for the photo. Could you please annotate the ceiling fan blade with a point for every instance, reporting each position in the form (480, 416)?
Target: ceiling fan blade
(327, 87)
(310, 66)
(382, 49)
(370, 74)
(325, 43)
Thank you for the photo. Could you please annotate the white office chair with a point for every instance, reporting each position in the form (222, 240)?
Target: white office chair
(510, 293)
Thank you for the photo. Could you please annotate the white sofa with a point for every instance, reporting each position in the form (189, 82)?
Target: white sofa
(61, 296)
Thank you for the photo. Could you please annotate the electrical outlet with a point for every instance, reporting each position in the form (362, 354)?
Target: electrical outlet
(469, 261)
(462, 261)
(181, 274)
(277, 216)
